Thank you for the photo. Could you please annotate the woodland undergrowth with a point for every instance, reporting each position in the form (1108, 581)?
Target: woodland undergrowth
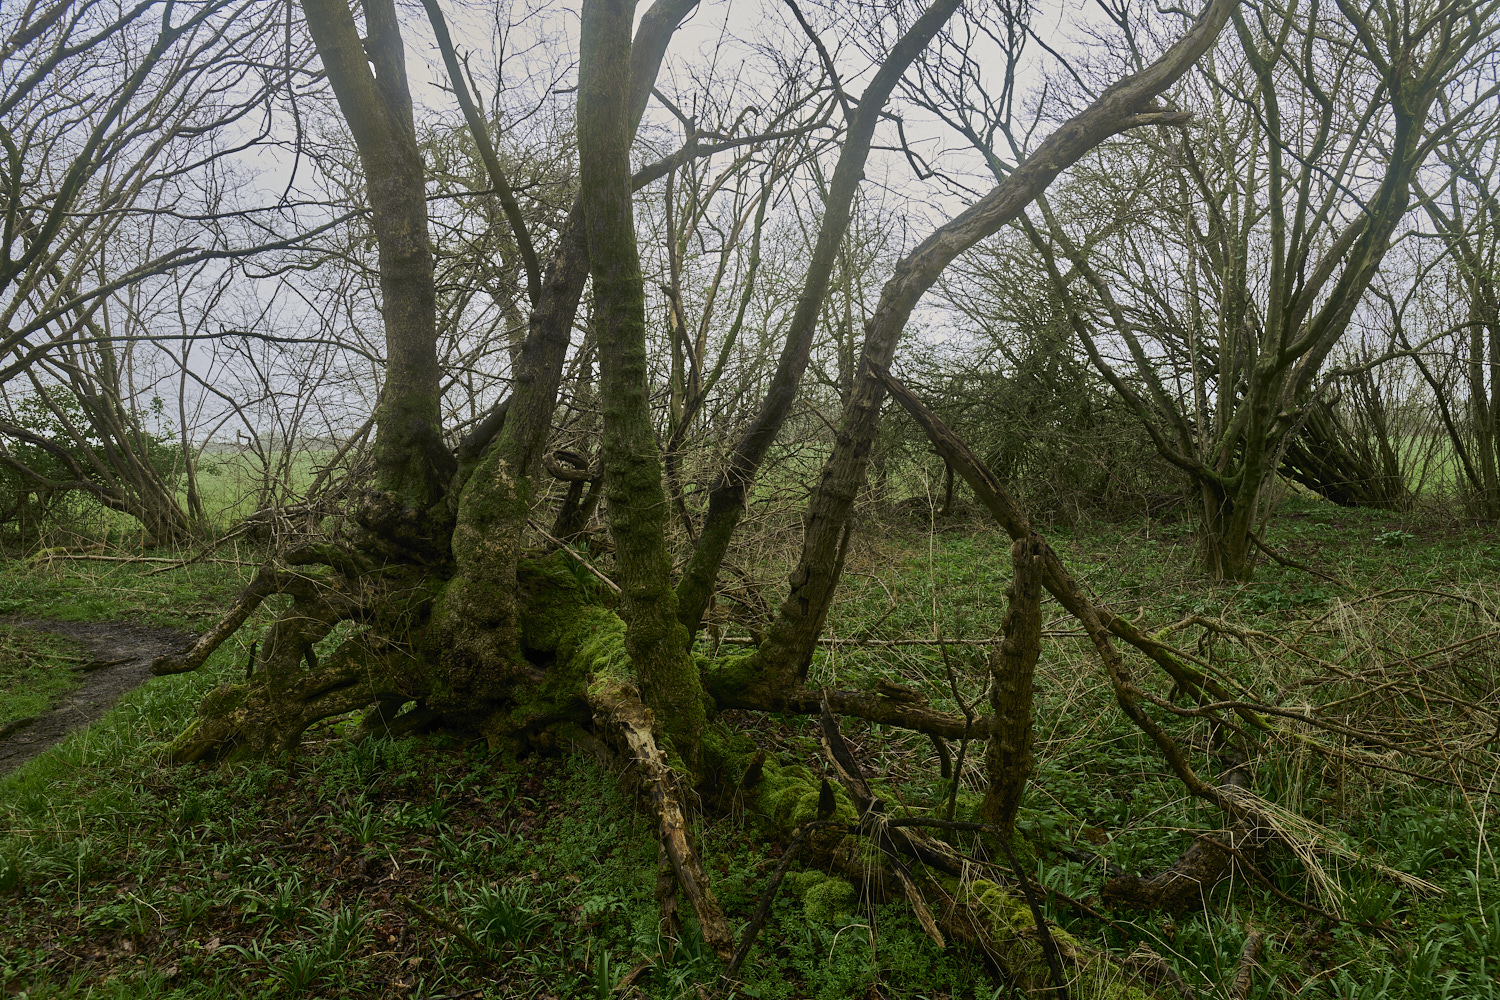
(431, 866)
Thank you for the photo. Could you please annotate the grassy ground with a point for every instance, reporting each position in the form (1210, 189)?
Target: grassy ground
(35, 671)
(429, 868)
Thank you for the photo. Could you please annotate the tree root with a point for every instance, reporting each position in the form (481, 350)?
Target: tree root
(260, 718)
(270, 580)
(1187, 883)
(286, 688)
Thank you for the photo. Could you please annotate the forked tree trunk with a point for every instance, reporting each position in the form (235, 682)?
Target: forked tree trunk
(726, 497)
(1484, 382)
(1224, 547)
(1125, 104)
(413, 463)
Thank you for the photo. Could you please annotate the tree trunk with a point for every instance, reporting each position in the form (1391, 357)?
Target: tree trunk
(413, 463)
(726, 497)
(1484, 353)
(1125, 104)
(1224, 547)
(655, 640)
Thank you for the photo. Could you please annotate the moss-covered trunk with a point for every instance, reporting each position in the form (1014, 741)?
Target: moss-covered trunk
(412, 461)
(1008, 759)
(1224, 547)
(654, 639)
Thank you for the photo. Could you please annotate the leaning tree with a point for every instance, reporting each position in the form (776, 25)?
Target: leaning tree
(1212, 284)
(120, 127)
(449, 620)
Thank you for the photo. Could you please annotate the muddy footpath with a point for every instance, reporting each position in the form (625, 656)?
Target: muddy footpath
(121, 655)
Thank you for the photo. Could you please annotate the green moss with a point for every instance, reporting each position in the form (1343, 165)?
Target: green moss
(1007, 921)
(787, 796)
(586, 640)
(551, 601)
(725, 755)
(174, 748)
(824, 898)
(729, 673)
(222, 700)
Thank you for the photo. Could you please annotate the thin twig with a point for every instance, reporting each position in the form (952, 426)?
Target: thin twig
(745, 640)
(575, 554)
(450, 926)
(1294, 564)
(768, 895)
(174, 563)
(963, 744)
(1049, 946)
(1248, 866)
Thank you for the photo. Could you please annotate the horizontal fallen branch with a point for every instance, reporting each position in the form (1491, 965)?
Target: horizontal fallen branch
(1061, 633)
(171, 563)
(618, 706)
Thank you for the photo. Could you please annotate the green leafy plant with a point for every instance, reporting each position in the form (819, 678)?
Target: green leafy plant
(502, 915)
(1393, 538)
(302, 968)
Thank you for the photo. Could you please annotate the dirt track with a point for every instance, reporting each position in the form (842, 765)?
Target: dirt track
(122, 661)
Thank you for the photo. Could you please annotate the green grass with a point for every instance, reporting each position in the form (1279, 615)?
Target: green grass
(36, 670)
(430, 867)
(83, 589)
(230, 484)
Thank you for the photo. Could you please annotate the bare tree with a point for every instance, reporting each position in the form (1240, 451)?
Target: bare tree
(1465, 212)
(118, 122)
(453, 619)
(1274, 215)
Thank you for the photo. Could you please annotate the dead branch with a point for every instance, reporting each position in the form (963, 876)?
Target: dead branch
(270, 580)
(1249, 958)
(1291, 563)
(1185, 885)
(576, 556)
(768, 894)
(618, 706)
(1058, 581)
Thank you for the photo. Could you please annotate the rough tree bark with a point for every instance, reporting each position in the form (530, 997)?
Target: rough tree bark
(1007, 759)
(655, 640)
(368, 77)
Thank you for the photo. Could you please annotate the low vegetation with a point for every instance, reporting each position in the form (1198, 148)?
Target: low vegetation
(430, 866)
(35, 671)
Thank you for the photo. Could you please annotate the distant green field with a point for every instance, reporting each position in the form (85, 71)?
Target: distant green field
(231, 485)
(235, 484)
